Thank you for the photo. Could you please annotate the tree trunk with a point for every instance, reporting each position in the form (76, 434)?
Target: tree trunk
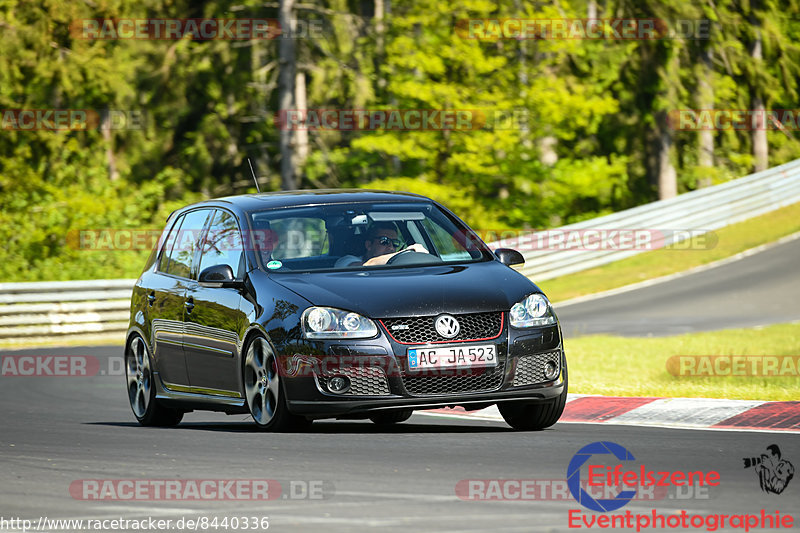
(286, 81)
(759, 127)
(260, 109)
(705, 100)
(759, 135)
(667, 176)
(300, 136)
(380, 48)
(660, 171)
(108, 137)
(523, 80)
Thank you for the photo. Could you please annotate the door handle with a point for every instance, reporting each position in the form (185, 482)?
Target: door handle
(151, 298)
(189, 304)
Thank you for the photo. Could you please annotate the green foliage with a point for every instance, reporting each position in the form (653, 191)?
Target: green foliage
(563, 128)
(462, 202)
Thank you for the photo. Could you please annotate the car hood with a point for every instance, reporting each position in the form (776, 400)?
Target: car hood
(410, 291)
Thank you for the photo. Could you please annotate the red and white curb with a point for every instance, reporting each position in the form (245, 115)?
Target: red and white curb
(686, 413)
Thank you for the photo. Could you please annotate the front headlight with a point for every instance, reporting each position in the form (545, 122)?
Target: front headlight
(329, 323)
(533, 311)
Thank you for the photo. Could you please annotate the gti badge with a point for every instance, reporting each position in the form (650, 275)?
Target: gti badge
(447, 326)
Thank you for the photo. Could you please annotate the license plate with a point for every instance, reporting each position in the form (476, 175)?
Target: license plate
(452, 357)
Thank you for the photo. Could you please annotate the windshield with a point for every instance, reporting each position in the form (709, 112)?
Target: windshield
(361, 236)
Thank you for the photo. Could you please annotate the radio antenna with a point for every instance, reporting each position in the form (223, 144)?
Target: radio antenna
(253, 172)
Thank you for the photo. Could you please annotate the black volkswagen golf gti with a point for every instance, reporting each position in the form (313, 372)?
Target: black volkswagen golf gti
(304, 305)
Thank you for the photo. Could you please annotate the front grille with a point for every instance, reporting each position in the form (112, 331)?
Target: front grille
(530, 368)
(421, 329)
(479, 380)
(364, 381)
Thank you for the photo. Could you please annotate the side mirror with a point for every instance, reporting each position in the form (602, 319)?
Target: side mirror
(509, 257)
(219, 276)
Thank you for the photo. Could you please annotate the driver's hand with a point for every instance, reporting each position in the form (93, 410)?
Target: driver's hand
(416, 247)
(383, 259)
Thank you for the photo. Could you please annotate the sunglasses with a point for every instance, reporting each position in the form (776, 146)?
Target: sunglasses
(386, 241)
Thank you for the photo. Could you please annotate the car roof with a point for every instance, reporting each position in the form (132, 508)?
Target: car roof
(269, 200)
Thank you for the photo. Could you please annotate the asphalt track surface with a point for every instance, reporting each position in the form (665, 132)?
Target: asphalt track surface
(760, 289)
(57, 431)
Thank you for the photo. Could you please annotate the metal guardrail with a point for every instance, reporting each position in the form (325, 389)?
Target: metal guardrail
(698, 211)
(60, 310)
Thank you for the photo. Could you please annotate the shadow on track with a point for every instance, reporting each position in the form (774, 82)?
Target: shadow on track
(324, 427)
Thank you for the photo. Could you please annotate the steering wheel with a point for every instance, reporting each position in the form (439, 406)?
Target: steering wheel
(402, 253)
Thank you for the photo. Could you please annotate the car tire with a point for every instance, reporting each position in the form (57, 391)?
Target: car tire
(141, 387)
(535, 416)
(264, 393)
(392, 417)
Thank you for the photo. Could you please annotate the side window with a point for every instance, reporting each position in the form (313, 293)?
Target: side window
(449, 249)
(223, 244)
(169, 243)
(185, 245)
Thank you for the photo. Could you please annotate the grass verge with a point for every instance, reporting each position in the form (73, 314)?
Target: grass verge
(625, 366)
(731, 240)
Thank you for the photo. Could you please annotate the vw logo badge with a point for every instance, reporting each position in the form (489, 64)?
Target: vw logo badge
(447, 326)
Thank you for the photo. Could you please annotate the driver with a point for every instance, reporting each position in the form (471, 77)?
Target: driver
(380, 245)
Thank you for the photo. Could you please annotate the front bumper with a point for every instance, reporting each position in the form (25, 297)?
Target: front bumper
(378, 370)
(338, 407)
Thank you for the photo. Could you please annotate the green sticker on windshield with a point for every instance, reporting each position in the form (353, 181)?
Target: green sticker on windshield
(272, 265)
